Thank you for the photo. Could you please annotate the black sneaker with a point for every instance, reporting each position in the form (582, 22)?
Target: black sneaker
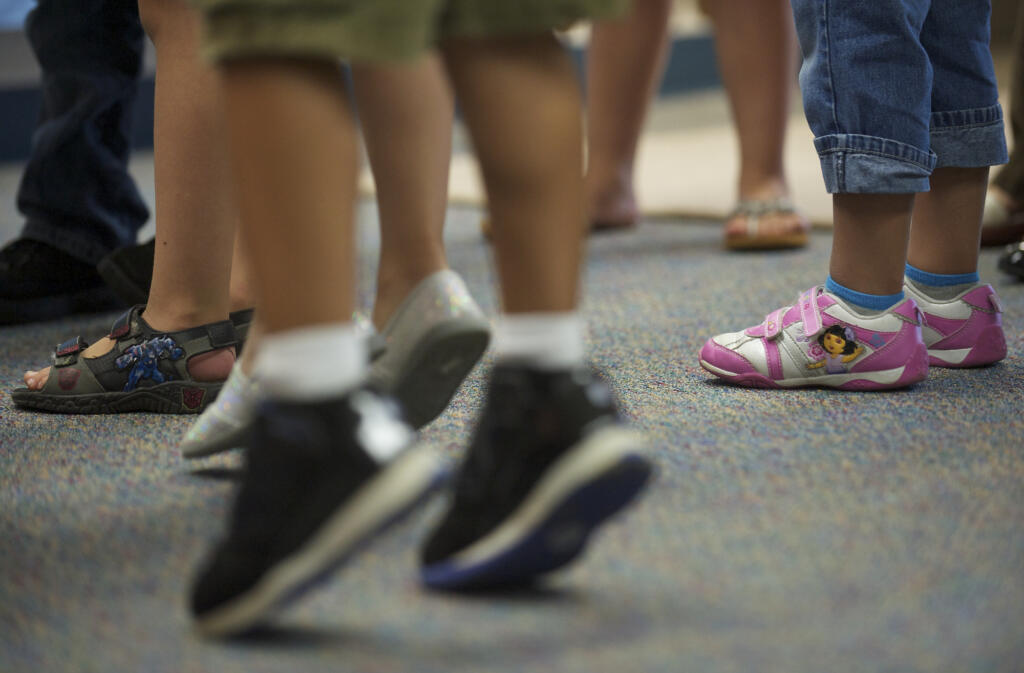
(548, 464)
(322, 479)
(128, 271)
(40, 282)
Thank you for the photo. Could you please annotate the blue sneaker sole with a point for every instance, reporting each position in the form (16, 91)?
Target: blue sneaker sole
(559, 538)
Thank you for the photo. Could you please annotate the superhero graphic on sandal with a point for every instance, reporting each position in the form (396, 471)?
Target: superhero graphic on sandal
(144, 359)
(838, 347)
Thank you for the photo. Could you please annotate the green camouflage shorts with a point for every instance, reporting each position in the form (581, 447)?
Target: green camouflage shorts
(378, 30)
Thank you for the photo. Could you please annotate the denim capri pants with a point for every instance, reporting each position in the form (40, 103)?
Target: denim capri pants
(378, 30)
(893, 89)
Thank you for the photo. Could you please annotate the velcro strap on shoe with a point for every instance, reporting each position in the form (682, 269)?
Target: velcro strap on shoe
(996, 304)
(123, 325)
(67, 353)
(221, 334)
(773, 323)
(810, 313)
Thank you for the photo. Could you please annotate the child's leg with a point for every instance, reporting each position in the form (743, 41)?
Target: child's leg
(195, 216)
(329, 464)
(869, 241)
(946, 232)
(624, 65)
(756, 47)
(406, 113)
(531, 159)
(548, 439)
(296, 187)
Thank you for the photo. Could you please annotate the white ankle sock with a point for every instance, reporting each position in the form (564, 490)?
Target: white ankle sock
(544, 340)
(312, 362)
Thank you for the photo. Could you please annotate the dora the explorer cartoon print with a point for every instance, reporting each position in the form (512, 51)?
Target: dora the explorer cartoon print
(838, 347)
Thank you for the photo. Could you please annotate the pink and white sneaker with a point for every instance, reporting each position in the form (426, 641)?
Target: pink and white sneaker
(823, 342)
(965, 331)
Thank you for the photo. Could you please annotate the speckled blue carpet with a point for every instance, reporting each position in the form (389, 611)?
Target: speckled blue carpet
(788, 531)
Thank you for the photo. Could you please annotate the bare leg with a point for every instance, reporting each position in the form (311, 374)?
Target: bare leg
(946, 232)
(757, 57)
(869, 242)
(296, 187)
(531, 158)
(195, 216)
(406, 113)
(624, 65)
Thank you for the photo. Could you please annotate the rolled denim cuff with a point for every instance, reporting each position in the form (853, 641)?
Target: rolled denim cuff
(969, 138)
(857, 164)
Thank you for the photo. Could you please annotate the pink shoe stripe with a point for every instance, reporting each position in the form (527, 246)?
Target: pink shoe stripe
(771, 352)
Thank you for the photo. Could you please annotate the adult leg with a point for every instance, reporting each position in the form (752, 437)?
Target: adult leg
(77, 197)
(625, 61)
(756, 47)
(76, 193)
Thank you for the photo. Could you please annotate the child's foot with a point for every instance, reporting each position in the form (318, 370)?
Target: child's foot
(322, 480)
(614, 208)
(226, 422)
(549, 463)
(821, 341)
(134, 368)
(963, 331)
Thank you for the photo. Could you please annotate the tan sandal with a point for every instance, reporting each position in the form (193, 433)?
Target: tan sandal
(753, 238)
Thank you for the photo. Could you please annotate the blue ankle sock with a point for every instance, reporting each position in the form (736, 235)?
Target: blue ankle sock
(871, 302)
(940, 279)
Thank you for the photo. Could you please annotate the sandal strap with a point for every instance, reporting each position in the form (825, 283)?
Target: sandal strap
(122, 327)
(220, 334)
(758, 207)
(67, 353)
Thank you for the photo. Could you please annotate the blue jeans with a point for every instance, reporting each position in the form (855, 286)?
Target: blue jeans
(893, 89)
(76, 193)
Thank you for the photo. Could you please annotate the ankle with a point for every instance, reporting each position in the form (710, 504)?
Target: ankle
(763, 188)
(393, 288)
(171, 319)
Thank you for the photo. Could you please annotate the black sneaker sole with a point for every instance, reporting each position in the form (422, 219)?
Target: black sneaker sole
(551, 528)
(378, 505)
(173, 397)
(53, 307)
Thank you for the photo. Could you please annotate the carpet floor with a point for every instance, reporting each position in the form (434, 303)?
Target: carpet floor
(786, 531)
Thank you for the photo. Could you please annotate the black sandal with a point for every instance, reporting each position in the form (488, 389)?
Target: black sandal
(146, 370)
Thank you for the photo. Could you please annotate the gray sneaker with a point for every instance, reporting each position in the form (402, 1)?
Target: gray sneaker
(432, 343)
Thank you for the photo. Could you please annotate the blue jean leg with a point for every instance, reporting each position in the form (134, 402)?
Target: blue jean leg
(966, 122)
(869, 85)
(76, 193)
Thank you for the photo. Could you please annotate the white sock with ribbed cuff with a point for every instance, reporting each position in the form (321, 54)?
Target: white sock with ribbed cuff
(312, 363)
(543, 340)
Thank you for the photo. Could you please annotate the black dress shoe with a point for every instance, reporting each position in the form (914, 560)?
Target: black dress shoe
(129, 271)
(40, 282)
(1012, 261)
